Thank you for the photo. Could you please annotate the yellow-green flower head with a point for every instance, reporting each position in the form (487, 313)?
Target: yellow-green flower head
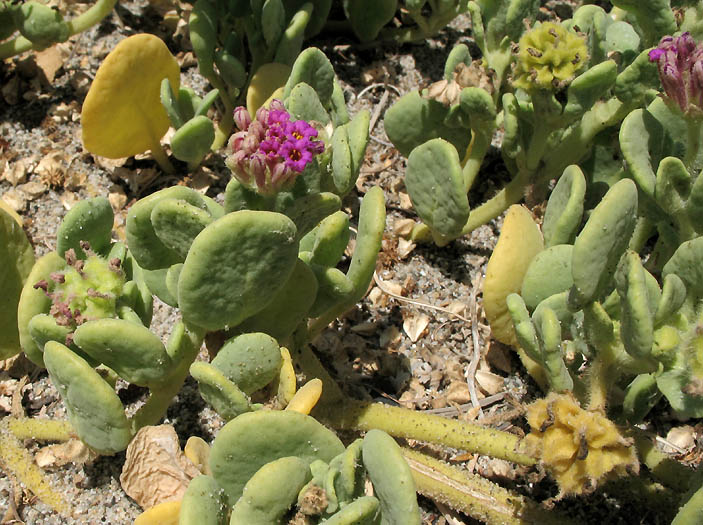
(549, 57)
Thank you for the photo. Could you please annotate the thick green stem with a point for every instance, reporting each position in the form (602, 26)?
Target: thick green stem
(477, 151)
(644, 229)
(224, 127)
(512, 193)
(474, 495)
(537, 147)
(160, 396)
(157, 151)
(694, 129)
(343, 413)
(79, 24)
(577, 141)
(92, 16)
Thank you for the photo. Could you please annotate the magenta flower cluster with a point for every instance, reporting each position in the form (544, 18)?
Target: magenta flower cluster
(269, 152)
(680, 63)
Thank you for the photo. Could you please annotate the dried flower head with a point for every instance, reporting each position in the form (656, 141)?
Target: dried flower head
(580, 448)
(269, 152)
(680, 63)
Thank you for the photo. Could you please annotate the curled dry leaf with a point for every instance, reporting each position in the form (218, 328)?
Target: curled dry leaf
(458, 392)
(32, 189)
(457, 307)
(72, 451)
(405, 201)
(405, 247)
(16, 172)
(414, 325)
(15, 199)
(156, 470)
(683, 437)
(489, 382)
(403, 227)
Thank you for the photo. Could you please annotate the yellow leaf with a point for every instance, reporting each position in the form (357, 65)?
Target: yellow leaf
(267, 79)
(122, 113)
(16, 261)
(12, 213)
(520, 240)
(306, 398)
(286, 379)
(162, 514)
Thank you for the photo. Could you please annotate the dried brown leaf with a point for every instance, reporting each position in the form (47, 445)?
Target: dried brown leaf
(16, 172)
(489, 382)
(405, 201)
(72, 451)
(683, 437)
(405, 247)
(32, 189)
(49, 62)
(156, 470)
(15, 199)
(403, 227)
(414, 325)
(458, 392)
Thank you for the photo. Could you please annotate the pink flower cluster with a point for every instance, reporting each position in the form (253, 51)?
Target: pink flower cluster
(680, 63)
(269, 152)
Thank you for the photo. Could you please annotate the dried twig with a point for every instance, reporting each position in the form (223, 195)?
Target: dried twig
(382, 285)
(476, 351)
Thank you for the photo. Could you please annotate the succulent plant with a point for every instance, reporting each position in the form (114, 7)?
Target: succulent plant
(80, 310)
(40, 26)
(270, 464)
(567, 88)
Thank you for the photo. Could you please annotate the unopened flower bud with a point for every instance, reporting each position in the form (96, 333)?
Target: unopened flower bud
(242, 118)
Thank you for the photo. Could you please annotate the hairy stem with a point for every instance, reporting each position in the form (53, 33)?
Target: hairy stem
(40, 429)
(474, 495)
(335, 409)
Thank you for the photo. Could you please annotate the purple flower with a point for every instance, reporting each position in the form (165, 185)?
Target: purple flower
(680, 63)
(270, 151)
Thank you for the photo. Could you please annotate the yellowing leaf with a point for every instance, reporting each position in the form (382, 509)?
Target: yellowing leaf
(166, 513)
(122, 113)
(267, 79)
(286, 380)
(307, 397)
(520, 240)
(16, 261)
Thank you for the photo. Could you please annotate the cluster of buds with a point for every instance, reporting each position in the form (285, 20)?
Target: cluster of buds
(85, 290)
(680, 63)
(269, 152)
(549, 57)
